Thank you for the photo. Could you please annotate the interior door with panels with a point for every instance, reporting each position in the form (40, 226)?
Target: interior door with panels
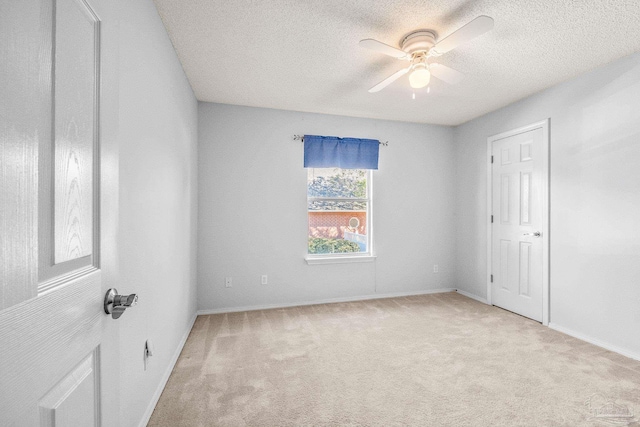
(517, 221)
(52, 323)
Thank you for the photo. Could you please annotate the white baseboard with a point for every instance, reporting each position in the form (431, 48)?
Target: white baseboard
(167, 374)
(323, 301)
(594, 341)
(475, 297)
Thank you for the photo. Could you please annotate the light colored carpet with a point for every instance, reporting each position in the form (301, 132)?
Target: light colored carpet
(433, 360)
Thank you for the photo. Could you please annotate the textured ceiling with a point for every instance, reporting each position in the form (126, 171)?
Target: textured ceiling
(304, 55)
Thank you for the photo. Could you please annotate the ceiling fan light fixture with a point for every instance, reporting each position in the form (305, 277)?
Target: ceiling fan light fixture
(420, 45)
(419, 77)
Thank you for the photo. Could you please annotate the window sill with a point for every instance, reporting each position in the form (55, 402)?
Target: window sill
(339, 259)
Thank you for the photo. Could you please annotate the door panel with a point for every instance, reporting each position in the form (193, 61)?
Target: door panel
(525, 198)
(74, 400)
(52, 322)
(46, 338)
(517, 183)
(68, 176)
(525, 269)
(75, 108)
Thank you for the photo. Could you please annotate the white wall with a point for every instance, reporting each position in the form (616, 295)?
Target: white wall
(253, 219)
(595, 201)
(157, 235)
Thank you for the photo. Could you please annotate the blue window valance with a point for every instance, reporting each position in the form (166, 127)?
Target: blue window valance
(345, 153)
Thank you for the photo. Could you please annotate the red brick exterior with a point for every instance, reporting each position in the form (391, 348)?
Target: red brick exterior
(332, 224)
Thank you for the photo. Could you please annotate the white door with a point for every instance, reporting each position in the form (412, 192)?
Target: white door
(518, 223)
(56, 343)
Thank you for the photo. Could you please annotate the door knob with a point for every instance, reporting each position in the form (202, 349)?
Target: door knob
(115, 304)
(534, 234)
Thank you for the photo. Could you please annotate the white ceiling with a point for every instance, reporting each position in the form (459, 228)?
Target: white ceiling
(304, 55)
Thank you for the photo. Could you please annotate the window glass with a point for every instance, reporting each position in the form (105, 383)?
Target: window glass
(338, 203)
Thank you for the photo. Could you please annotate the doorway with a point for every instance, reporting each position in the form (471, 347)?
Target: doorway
(518, 228)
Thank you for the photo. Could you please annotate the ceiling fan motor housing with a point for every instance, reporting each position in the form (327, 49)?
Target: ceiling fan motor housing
(417, 41)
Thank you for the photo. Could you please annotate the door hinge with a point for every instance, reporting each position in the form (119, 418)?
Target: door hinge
(492, 278)
(491, 159)
(491, 219)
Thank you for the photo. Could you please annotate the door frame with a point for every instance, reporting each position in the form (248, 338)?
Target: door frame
(544, 125)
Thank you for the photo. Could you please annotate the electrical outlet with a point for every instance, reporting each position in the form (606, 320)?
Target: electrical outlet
(264, 279)
(435, 268)
(227, 282)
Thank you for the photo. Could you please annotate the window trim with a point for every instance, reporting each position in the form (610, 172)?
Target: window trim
(349, 257)
(345, 259)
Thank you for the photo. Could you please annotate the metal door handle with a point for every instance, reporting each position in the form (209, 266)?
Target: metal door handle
(534, 234)
(115, 304)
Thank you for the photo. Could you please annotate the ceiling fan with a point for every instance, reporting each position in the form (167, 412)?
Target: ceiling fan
(419, 46)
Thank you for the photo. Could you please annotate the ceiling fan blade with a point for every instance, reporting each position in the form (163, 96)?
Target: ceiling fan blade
(446, 74)
(392, 78)
(471, 30)
(382, 48)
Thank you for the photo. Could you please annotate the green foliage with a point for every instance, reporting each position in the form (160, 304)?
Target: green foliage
(319, 245)
(348, 183)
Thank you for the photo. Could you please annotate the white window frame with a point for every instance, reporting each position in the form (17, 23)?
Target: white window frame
(350, 256)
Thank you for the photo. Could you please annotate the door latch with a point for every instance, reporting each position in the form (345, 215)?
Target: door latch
(534, 234)
(115, 304)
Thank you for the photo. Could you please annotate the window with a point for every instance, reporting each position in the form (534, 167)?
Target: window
(339, 206)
